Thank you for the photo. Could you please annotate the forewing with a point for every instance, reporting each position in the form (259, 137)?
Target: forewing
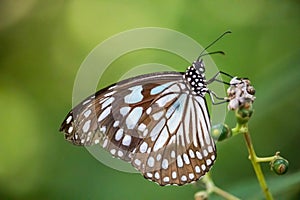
(112, 116)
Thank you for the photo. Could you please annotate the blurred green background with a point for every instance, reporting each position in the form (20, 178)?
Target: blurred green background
(43, 43)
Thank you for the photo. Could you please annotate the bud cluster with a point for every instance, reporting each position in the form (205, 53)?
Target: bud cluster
(239, 93)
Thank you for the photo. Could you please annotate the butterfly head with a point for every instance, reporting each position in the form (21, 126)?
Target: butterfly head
(199, 66)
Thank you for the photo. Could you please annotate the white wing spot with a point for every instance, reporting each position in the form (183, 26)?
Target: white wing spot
(161, 140)
(87, 113)
(176, 110)
(208, 162)
(143, 147)
(149, 175)
(135, 96)
(70, 129)
(86, 126)
(174, 174)
(142, 127)
(183, 178)
(102, 100)
(165, 164)
(134, 117)
(186, 158)
(198, 154)
(205, 153)
(155, 131)
(173, 154)
(148, 111)
(213, 157)
(69, 119)
(174, 88)
(150, 161)
(107, 102)
(124, 110)
(191, 152)
(104, 143)
(166, 179)
(164, 100)
(197, 169)
(191, 176)
(116, 124)
(112, 87)
(103, 129)
(145, 133)
(97, 142)
(126, 140)
(119, 134)
(137, 162)
(120, 153)
(157, 115)
(158, 157)
(160, 88)
(210, 149)
(113, 151)
(203, 167)
(156, 175)
(179, 161)
(104, 114)
(87, 101)
(110, 93)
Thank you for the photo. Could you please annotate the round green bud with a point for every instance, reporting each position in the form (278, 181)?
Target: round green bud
(220, 132)
(280, 166)
(243, 114)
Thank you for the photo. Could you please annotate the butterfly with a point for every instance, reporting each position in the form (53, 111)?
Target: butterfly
(158, 122)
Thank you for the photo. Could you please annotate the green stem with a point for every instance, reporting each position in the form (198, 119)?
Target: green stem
(256, 166)
(224, 194)
(212, 188)
(266, 159)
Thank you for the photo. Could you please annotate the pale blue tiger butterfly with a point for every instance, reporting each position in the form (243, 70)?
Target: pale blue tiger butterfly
(158, 122)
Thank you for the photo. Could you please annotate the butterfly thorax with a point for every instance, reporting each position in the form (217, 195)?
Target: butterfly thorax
(195, 76)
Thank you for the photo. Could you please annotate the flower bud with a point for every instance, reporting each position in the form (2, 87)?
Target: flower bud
(220, 132)
(244, 113)
(280, 166)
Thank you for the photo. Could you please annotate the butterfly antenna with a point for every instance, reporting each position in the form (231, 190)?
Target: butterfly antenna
(214, 52)
(221, 52)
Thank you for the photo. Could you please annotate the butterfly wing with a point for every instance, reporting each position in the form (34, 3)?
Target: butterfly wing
(153, 121)
(177, 147)
(110, 116)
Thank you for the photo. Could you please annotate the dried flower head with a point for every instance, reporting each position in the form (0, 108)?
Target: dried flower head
(239, 93)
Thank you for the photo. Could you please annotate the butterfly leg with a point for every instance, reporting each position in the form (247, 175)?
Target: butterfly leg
(214, 78)
(213, 95)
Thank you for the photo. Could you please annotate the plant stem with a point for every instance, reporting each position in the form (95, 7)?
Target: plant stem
(212, 188)
(256, 166)
(224, 194)
(265, 159)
